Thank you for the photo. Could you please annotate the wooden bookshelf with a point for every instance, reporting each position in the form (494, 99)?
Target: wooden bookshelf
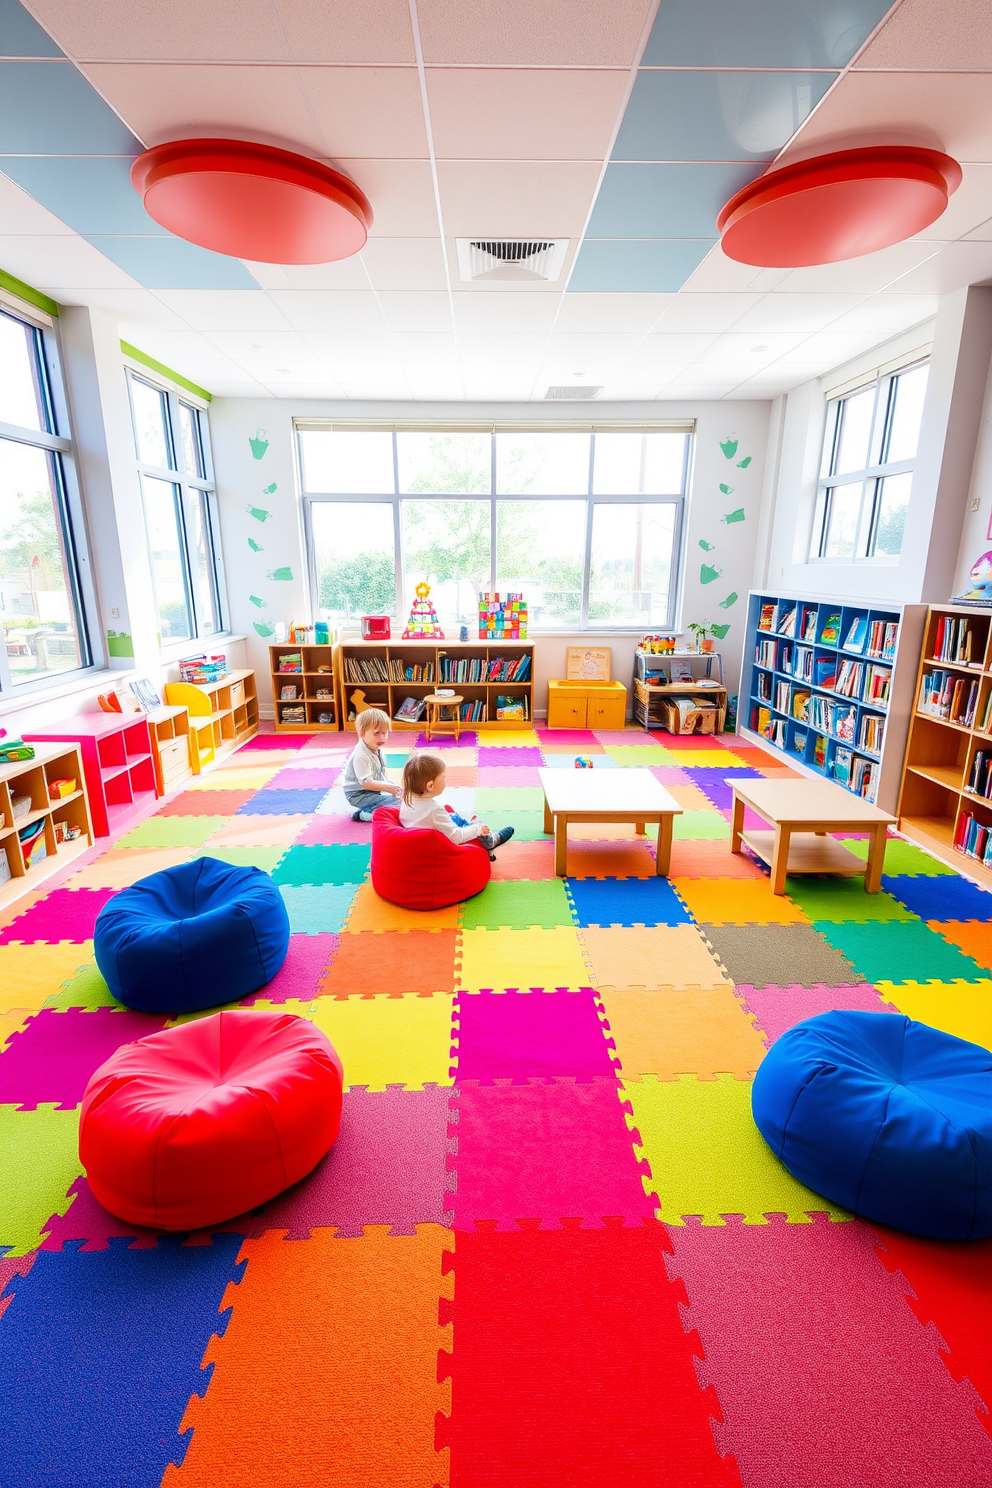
(172, 743)
(941, 751)
(32, 778)
(435, 657)
(830, 632)
(318, 673)
(222, 715)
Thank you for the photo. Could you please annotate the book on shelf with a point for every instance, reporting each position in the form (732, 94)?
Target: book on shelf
(785, 653)
(849, 677)
(825, 672)
(365, 669)
(882, 640)
(800, 704)
(830, 630)
(765, 687)
(799, 741)
(841, 765)
(809, 623)
(410, 710)
(508, 706)
(781, 697)
(766, 620)
(857, 631)
(877, 685)
(980, 774)
(974, 838)
(820, 751)
(787, 621)
(936, 691)
(472, 712)
(955, 640)
(419, 671)
(986, 722)
(765, 653)
(864, 777)
(802, 665)
(760, 719)
(871, 734)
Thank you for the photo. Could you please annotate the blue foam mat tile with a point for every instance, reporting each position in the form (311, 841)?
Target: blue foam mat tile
(626, 901)
(935, 897)
(316, 909)
(277, 802)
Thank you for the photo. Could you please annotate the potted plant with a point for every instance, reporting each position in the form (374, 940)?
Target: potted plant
(704, 641)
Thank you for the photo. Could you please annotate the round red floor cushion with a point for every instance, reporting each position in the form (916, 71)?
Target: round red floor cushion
(199, 1123)
(419, 868)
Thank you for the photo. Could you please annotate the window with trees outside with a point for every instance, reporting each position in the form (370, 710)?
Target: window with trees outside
(172, 442)
(587, 524)
(866, 474)
(44, 580)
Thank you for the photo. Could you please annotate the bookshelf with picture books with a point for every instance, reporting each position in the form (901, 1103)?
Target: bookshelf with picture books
(946, 802)
(829, 685)
(304, 689)
(495, 682)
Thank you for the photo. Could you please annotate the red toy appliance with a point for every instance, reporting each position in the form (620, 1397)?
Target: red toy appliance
(375, 627)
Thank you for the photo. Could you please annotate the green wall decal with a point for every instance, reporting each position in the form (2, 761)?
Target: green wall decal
(264, 628)
(119, 643)
(731, 599)
(727, 490)
(284, 575)
(255, 547)
(707, 574)
(258, 512)
(269, 490)
(706, 547)
(734, 516)
(259, 444)
(720, 631)
(262, 604)
(729, 447)
(743, 464)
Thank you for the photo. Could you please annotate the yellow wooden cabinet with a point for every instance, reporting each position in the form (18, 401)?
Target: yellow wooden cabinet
(592, 705)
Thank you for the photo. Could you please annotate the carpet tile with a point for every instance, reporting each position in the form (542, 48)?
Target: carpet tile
(673, 1031)
(41, 1160)
(650, 956)
(824, 898)
(337, 864)
(759, 954)
(522, 1035)
(626, 901)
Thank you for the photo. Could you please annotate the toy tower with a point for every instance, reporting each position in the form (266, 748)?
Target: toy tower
(423, 622)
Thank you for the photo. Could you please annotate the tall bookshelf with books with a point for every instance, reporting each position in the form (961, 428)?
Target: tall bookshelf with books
(829, 685)
(495, 682)
(946, 802)
(304, 694)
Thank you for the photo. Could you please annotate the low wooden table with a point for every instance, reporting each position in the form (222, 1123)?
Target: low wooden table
(802, 812)
(607, 796)
(435, 707)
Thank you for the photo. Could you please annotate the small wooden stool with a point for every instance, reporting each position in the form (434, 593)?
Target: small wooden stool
(437, 724)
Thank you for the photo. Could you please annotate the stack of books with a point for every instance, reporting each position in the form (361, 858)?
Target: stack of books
(974, 838)
(955, 641)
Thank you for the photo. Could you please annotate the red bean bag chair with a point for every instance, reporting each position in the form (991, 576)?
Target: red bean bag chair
(422, 869)
(199, 1123)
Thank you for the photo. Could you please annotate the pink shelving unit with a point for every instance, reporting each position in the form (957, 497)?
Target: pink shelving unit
(117, 763)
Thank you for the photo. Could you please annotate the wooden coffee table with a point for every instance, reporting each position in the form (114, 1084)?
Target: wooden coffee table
(607, 796)
(802, 812)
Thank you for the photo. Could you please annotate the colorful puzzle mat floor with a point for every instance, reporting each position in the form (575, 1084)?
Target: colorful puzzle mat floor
(549, 1248)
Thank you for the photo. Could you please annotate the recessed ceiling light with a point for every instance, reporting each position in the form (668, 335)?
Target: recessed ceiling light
(759, 348)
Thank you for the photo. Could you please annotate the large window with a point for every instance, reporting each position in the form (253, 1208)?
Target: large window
(869, 451)
(172, 442)
(587, 524)
(42, 553)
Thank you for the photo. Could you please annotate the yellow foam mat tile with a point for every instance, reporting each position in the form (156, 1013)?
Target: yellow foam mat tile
(652, 956)
(506, 739)
(120, 868)
(233, 777)
(961, 1008)
(521, 958)
(672, 1031)
(369, 912)
(705, 759)
(385, 1040)
(12, 1022)
(29, 974)
(257, 831)
(737, 901)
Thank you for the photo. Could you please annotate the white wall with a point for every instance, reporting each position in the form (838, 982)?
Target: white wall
(977, 524)
(255, 548)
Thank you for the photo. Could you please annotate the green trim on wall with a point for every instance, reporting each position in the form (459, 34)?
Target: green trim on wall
(25, 292)
(154, 366)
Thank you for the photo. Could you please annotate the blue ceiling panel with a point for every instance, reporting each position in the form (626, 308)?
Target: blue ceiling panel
(91, 193)
(774, 33)
(20, 34)
(171, 263)
(48, 108)
(618, 267)
(716, 115)
(665, 201)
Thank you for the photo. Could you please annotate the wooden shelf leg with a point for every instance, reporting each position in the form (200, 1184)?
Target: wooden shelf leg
(549, 823)
(561, 845)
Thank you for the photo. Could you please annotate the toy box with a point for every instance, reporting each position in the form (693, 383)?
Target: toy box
(502, 619)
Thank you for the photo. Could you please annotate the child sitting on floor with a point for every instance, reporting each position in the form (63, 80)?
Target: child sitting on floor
(365, 783)
(423, 783)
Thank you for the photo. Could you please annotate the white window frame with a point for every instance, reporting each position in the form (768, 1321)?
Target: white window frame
(393, 499)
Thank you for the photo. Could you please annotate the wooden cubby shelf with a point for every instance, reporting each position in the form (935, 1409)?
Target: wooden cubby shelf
(223, 715)
(32, 779)
(317, 672)
(378, 668)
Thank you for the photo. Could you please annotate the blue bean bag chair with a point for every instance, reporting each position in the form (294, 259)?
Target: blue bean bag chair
(192, 937)
(887, 1117)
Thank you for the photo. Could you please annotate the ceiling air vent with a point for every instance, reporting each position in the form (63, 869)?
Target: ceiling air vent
(569, 392)
(526, 260)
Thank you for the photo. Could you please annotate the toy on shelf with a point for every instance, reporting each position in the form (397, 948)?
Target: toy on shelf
(582, 762)
(502, 619)
(423, 624)
(657, 645)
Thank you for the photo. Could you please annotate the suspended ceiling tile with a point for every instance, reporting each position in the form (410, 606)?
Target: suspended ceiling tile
(505, 313)
(21, 213)
(534, 32)
(92, 193)
(401, 193)
(413, 311)
(331, 311)
(922, 34)
(175, 101)
(171, 263)
(673, 348)
(182, 349)
(776, 33)
(968, 208)
(242, 346)
(887, 314)
(632, 266)
(718, 274)
(664, 201)
(800, 312)
(341, 31)
(745, 116)
(405, 263)
(349, 345)
(20, 34)
(523, 114)
(577, 348)
(134, 311)
(245, 310)
(829, 348)
(367, 112)
(182, 30)
(981, 234)
(870, 273)
(48, 108)
(749, 350)
(347, 273)
(706, 312)
(516, 199)
(607, 312)
(429, 349)
(956, 265)
(59, 264)
(502, 349)
(375, 392)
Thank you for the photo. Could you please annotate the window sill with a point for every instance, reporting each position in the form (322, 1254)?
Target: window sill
(85, 682)
(180, 650)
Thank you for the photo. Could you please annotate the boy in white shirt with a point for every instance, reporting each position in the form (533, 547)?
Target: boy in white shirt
(423, 783)
(365, 783)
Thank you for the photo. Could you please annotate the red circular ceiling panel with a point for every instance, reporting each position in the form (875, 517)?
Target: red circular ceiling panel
(252, 201)
(837, 206)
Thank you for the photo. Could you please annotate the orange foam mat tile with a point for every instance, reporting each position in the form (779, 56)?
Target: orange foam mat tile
(652, 956)
(974, 937)
(690, 797)
(327, 1372)
(673, 1031)
(610, 831)
(519, 860)
(611, 860)
(701, 858)
(369, 912)
(394, 961)
(737, 901)
(119, 868)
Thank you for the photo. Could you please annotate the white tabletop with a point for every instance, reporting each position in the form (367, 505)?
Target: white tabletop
(606, 790)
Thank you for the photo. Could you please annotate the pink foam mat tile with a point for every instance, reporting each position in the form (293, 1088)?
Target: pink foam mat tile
(61, 915)
(88, 1221)
(11, 1266)
(511, 775)
(300, 973)
(565, 737)
(823, 1373)
(325, 830)
(317, 778)
(670, 775)
(51, 1060)
(611, 737)
(780, 1008)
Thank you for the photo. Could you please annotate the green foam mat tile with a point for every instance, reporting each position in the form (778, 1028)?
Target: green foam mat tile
(779, 956)
(87, 989)
(517, 905)
(899, 951)
(335, 863)
(834, 898)
(265, 858)
(641, 754)
(900, 857)
(528, 826)
(41, 1160)
(173, 831)
(697, 826)
(495, 800)
(708, 1158)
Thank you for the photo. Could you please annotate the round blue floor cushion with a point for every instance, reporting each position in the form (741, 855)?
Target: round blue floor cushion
(192, 937)
(887, 1117)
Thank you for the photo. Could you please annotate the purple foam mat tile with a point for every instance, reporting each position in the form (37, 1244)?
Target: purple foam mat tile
(51, 1060)
(63, 914)
(324, 831)
(387, 1167)
(515, 757)
(520, 1035)
(508, 774)
(86, 1220)
(823, 1373)
(467, 739)
(299, 975)
(550, 1150)
(322, 778)
(779, 1008)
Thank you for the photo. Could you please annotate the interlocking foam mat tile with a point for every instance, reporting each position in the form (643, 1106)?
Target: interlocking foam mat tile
(626, 901)
(560, 760)
(63, 915)
(825, 897)
(738, 901)
(961, 1008)
(369, 912)
(777, 1008)
(702, 859)
(606, 859)
(521, 958)
(971, 936)
(517, 859)
(255, 831)
(385, 1040)
(510, 777)
(264, 743)
(699, 826)
(118, 870)
(759, 954)
(507, 798)
(299, 976)
(901, 858)
(316, 909)
(672, 1031)
(527, 825)
(324, 830)
(29, 974)
(946, 899)
(317, 776)
(265, 858)
(337, 864)
(41, 1160)
(269, 802)
(515, 759)
(174, 831)
(206, 803)
(85, 989)
(518, 905)
(523, 1035)
(640, 754)
(897, 950)
(397, 961)
(656, 956)
(12, 1022)
(51, 1061)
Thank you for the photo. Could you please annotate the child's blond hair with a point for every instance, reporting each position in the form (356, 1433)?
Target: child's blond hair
(420, 770)
(369, 719)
